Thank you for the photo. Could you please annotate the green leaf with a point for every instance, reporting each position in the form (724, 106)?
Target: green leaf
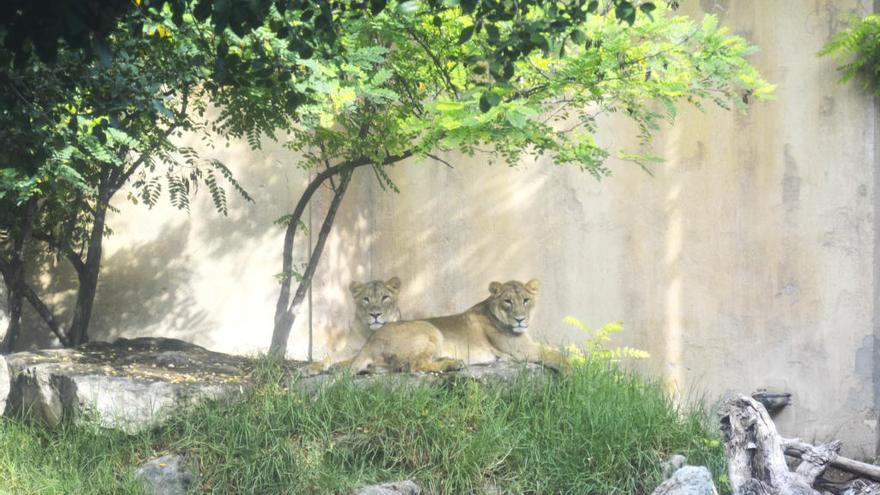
(488, 100)
(625, 12)
(409, 7)
(377, 6)
(159, 106)
(466, 34)
(492, 31)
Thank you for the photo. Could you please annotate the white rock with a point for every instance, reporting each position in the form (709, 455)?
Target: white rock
(689, 480)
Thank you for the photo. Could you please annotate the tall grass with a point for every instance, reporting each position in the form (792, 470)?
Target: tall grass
(595, 430)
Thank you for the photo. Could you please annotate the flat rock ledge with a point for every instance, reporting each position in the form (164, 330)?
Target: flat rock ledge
(131, 384)
(135, 384)
(499, 373)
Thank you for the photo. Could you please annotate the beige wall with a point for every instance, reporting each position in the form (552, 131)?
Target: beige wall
(746, 261)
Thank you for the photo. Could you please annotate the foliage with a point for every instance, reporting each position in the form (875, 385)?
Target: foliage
(404, 86)
(82, 128)
(595, 431)
(42, 27)
(596, 345)
(858, 50)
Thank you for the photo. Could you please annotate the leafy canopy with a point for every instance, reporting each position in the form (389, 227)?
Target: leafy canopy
(408, 85)
(79, 129)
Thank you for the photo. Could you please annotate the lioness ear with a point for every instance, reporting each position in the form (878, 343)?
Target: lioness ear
(495, 288)
(393, 283)
(533, 285)
(354, 287)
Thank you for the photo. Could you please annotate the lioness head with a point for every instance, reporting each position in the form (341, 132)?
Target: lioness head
(376, 302)
(511, 303)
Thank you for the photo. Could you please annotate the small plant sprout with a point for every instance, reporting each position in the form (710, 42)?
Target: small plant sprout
(596, 347)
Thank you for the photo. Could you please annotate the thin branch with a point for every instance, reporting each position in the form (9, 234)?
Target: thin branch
(437, 158)
(319, 245)
(437, 62)
(120, 180)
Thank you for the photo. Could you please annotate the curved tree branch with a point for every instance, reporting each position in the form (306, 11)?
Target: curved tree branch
(285, 309)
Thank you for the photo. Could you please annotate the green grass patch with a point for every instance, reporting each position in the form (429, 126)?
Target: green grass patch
(596, 430)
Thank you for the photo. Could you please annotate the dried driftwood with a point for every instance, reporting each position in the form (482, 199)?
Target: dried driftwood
(755, 453)
(796, 448)
(862, 487)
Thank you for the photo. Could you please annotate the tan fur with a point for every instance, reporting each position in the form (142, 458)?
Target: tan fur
(491, 330)
(376, 304)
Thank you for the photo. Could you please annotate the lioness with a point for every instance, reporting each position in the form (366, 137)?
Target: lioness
(375, 305)
(492, 329)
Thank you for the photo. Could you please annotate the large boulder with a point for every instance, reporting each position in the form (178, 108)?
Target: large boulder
(130, 385)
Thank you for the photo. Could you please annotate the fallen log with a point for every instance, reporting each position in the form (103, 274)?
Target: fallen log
(796, 448)
(755, 453)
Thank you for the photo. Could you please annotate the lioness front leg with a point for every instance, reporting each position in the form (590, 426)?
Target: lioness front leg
(438, 366)
(526, 349)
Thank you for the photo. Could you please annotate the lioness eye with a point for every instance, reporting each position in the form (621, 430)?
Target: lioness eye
(385, 298)
(508, 302)
(526, 300)
(366, 300)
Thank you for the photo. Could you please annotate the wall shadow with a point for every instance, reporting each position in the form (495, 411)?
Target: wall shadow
(145, 290)
(142, 291)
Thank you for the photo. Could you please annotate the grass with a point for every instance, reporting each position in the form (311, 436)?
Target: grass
(596, 430)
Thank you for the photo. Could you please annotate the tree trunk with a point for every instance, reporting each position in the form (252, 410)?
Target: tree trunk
(285, 310)
(285, 318)
(88, 277)
(13, 276)
(756, 462)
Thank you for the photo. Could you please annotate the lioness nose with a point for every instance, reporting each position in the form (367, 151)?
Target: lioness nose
(519, 319)
(375, 315)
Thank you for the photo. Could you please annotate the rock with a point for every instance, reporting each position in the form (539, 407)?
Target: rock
(129, 385)
(689, 480)
(673, 464)
(407, 487)
(499, 373)
(166, 475)
(5, 383)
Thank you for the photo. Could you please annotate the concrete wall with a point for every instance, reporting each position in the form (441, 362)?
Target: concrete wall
(746, 261)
